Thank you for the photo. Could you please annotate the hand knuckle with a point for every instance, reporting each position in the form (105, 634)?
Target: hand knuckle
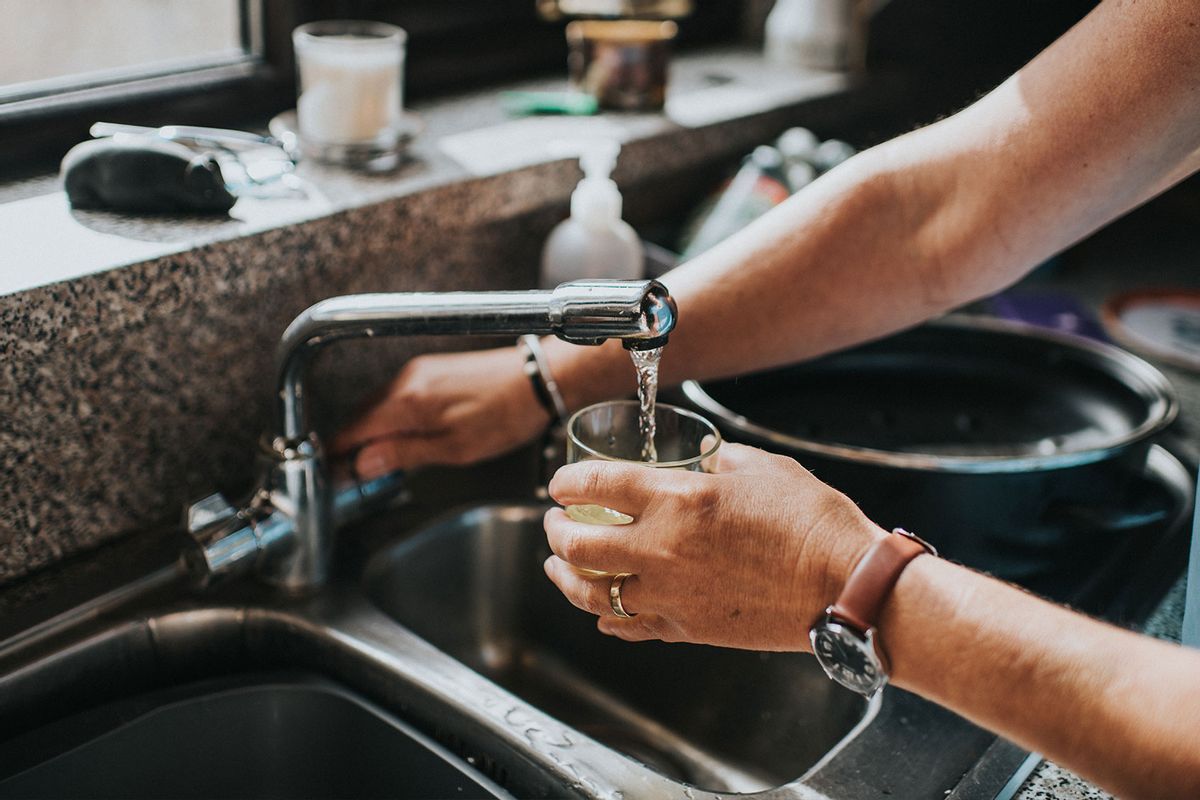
(673, 492)
(418, 393)
(596, 603)
(627, 482)
(593, 481)
(792, 465)
(571, 547)
(693, 495)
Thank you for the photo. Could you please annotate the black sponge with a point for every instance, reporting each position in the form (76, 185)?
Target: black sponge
(143, 175)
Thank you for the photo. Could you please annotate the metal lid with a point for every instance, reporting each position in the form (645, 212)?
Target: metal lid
(1153, 391)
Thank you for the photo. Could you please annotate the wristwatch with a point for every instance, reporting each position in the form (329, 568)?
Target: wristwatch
(845, 640)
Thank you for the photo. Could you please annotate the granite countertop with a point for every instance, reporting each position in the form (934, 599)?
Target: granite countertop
(137, 351)
(465, 139)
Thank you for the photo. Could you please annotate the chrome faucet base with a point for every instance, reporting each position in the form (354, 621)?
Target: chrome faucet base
(298, 490)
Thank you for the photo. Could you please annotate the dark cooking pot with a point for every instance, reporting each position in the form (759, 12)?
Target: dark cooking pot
(994, 440)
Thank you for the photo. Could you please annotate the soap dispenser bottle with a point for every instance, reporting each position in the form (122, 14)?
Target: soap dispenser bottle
(594, 242)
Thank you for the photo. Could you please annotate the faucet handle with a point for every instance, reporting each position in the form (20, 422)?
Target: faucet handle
(223, 542)
(207, 511)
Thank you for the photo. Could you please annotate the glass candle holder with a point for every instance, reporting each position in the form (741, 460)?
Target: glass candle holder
(622, 63)
(350, 83)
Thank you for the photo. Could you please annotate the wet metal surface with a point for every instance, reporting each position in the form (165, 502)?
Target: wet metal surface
(451, 627)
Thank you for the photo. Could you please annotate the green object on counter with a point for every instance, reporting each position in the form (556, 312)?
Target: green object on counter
(577, 104)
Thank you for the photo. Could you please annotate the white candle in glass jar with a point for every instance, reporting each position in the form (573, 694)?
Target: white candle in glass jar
(350, 81)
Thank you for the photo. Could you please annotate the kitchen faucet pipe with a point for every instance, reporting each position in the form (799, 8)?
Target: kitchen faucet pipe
(286, 533)
(641, 313)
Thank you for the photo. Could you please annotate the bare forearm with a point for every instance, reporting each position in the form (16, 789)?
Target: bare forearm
(1095, 125)
(805, 280)
(1084, 693)
(810, 277)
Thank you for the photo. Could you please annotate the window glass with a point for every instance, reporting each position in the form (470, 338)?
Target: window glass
(53, 45)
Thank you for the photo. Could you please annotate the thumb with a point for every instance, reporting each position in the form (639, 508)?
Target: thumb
(738, 457)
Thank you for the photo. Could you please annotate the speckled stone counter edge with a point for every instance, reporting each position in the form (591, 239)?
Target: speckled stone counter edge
(125, 393)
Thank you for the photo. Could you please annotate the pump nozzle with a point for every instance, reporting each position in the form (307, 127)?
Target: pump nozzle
(597, 200)
(598, 157)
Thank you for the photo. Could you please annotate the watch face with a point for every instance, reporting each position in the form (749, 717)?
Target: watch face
(847, 657)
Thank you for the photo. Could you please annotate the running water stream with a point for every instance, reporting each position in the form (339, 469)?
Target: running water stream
(646, 364)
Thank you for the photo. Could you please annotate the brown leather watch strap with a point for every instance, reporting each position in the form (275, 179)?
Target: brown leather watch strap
(874, 576)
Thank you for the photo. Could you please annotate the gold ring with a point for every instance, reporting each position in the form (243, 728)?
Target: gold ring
(614, 595)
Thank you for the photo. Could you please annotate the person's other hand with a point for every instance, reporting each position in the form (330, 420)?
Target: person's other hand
(452, 408)
(747, 557)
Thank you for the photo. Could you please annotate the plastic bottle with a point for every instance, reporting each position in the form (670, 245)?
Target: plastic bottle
(758, 186)
(831, 153)
(799, 147)
(798, 144)
(594, 242)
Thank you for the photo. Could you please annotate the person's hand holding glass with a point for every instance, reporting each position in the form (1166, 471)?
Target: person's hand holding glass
(611, 432)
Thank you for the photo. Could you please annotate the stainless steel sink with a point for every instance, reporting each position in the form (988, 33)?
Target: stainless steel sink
(281, 738)
(721, 720)
(443, 632)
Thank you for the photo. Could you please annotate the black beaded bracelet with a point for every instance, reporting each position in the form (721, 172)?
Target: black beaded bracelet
(537, 369)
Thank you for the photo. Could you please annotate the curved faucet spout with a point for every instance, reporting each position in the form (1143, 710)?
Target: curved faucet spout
(287, 531)
(641, 313)
(660, 314)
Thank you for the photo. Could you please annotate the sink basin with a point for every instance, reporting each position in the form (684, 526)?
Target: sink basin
(722, 720)
(292, 739)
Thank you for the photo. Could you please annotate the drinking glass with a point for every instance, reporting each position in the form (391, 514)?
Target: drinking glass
(609, 431)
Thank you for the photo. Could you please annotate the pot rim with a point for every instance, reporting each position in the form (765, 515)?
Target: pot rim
(1162, 406)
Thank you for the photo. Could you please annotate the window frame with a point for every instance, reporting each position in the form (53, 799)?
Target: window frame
(38, 128)
(50, 93)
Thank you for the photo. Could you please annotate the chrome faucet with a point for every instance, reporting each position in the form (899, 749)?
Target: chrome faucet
(286, 531)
